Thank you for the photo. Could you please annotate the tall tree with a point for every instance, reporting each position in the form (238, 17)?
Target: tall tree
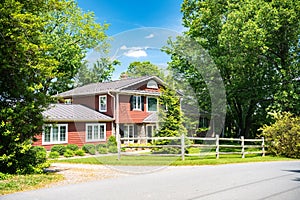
(255, 45)
(39, 46)
(146, 68)
(70, 32)
(101, 71)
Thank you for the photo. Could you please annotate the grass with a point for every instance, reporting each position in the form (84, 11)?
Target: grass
(173, 161)
(18, 183)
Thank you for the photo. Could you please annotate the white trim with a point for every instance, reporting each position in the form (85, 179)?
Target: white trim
(51, 134)
(128, 137)
(147, 104)
(93, 133)
(152, 84)
(102, 96)
(135, 106)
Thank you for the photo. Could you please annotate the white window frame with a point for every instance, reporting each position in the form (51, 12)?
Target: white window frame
(126, 128)
(51, 134)
(148, 104)
(100, 103)
(98, 125)
(153, 130)
(152, 84)
(138, 102)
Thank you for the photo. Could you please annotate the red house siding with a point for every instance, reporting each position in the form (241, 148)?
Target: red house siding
(76, 134)
(131, 116)
(88, 101)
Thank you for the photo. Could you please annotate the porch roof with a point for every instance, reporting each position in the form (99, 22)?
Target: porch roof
(73, 113)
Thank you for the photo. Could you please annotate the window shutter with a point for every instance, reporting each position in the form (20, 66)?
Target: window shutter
(131, 102)
(142, 101)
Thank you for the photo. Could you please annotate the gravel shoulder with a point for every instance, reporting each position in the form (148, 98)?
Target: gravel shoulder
(78, 173)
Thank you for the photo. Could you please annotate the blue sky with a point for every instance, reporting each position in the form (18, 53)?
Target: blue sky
(139, 28)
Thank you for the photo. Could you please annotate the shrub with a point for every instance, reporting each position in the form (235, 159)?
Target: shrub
(283, 136)
(113, 149)
(112, 141)
(101, 146)
(102, 150)
(53, 155)
(59, 148)
(68, 153)
(73, 147)
(89, 148)
(79, 152)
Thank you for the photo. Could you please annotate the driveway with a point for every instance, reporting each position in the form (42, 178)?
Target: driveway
(255, 181)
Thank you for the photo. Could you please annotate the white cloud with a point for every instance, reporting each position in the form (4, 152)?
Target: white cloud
(150, 36)
(135, 53)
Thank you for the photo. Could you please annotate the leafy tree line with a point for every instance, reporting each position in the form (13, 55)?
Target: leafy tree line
(255, 46)
(42, 44)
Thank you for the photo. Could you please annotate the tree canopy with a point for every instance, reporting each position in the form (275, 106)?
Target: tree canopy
(41, 47)
(255, 46)
(145, 68)
(101, 71)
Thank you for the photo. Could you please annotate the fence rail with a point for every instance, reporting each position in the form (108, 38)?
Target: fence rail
(182, 146)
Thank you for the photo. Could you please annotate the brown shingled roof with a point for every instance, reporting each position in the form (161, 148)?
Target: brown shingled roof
(98, 88)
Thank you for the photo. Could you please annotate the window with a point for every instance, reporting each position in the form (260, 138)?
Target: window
(151, 104)
(102, 103)
(137, 103)
(129, 133)
(55, 134)
(152, 84)
(150, 131)
(95, 132)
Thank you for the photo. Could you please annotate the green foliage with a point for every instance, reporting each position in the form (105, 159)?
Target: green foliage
(101, 146)
(255, 46)
(73, 147)
(79, 152)
(102, 150)
(138, 69)
(89, 148)
(69, 153)
(42, 46)
(171, 121)
(101, 71)
(53, 155)
(61, 149)
(113, 149)
(283, 135)
(112, 141)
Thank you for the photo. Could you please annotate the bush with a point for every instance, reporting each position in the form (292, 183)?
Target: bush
(113, 149)
(283, 136)
(53, 155)
(112, 141)
(101, 146)
(59, 148)
(79, 152)
(73, 147)
(89, 148)
(102, 150)
(68, 153)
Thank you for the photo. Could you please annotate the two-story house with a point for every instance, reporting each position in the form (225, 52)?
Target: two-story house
(92, 113)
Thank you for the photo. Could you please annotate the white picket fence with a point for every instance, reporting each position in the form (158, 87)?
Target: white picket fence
(208, 143)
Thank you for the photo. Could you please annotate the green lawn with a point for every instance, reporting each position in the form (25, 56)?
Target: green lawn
(174, 161)
(17, 183)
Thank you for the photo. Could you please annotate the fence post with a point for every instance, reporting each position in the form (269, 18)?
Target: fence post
(243, 147)
(182, 147)
(217, 147)
(263, 146)
(119, 146)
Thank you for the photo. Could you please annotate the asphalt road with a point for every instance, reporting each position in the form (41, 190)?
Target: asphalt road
(255, 181)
